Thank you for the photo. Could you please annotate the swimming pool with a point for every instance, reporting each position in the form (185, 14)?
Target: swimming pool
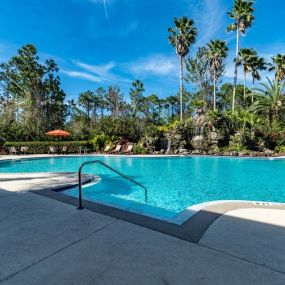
(173, 183)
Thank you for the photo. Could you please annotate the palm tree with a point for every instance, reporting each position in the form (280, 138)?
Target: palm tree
(278, 65)
(257, 64)
(270, 101)
(243, 18)
(217, 53)
(245, 58)
(181, 37)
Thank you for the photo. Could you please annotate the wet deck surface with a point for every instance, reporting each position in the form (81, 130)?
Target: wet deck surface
(38, 181)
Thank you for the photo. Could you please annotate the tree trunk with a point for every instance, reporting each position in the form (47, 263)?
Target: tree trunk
(270, 117)
(181, 88)
(235, 75)
(253, 82)
(116, 109)
(244, 86)
(214, 89)
(251, 119)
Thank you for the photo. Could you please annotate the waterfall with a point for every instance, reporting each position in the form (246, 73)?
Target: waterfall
(165, 144)
(168, 144)
(197, 131)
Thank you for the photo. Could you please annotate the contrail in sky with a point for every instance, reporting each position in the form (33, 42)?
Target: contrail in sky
(107, 16)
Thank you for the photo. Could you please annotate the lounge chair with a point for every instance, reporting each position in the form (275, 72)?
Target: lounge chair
(23, 149)
(52, 150)
(64, 149)
(107, 149)
(129, 149)
(117, 149)
(12, 150)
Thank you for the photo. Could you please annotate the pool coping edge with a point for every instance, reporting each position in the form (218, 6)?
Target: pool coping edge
(191, 230)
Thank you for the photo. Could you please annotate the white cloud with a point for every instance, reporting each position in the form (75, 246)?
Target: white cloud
(82, 75)
(209, 16)
(115, 73)
(159, 65)
(97, 73)
(97, 69)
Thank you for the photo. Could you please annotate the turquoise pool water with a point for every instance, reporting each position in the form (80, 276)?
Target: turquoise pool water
(173, 183)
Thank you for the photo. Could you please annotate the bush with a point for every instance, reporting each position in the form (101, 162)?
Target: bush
(43, 147)
(139, 149)
(234, 148)
(280, 149)
(275, 140)
(153, 132)
(99, 142)
(118, 127)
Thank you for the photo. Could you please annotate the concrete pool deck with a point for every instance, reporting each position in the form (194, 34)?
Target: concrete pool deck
(44, 241)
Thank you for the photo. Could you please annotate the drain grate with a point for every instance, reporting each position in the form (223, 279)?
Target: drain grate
(262, 203)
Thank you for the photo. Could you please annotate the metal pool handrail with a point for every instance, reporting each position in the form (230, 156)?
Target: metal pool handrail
(109, 167)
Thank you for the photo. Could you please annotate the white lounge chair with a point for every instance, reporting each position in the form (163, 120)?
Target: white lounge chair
(117, 149)
(107, 149)
(23, 149)
(64, 149)
(12, 150)
(129, 149)
(52, 150)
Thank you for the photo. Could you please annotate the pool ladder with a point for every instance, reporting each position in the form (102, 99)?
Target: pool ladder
(109, 167)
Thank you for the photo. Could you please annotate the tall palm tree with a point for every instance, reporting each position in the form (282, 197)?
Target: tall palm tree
(257, 64)
(270, 101)
(181, 37)
(242, 14)
(245, 57)
(217, 53)
(278, 65)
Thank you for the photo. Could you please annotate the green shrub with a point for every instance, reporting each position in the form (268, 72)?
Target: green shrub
(99, 142)
(153, 132)
(280, 149)
(235, 148)
(43, 147)
(199, 103)
(118, 127)
(139, 149)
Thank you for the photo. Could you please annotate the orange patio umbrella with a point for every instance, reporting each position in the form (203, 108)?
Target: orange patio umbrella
(58, 133)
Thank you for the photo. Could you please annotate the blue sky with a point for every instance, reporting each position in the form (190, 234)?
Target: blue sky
(98, 45)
